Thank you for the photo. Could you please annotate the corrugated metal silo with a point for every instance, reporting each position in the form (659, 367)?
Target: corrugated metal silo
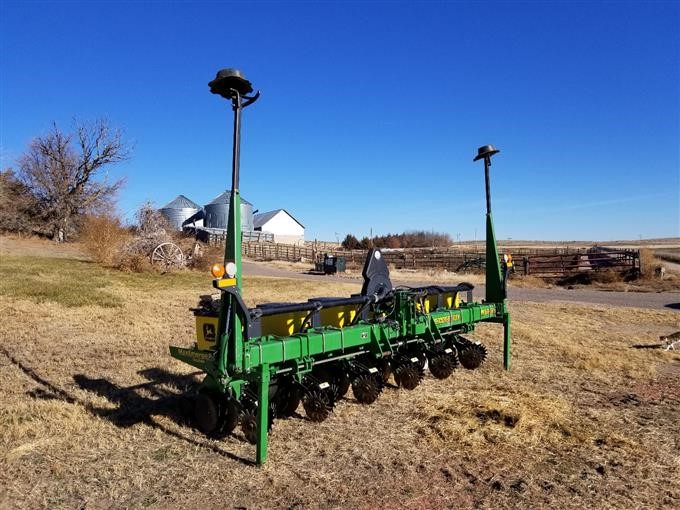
(217, 212)
(179, 210)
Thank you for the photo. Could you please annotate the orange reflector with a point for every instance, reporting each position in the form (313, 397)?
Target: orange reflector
(217, 270)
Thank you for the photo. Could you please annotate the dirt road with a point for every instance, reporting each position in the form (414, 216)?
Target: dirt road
(654, 300)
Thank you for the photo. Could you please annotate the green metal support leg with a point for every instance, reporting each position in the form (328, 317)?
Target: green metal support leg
(506, 341)
(263, 414)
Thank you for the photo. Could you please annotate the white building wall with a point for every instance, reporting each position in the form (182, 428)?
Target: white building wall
(283, 239)
(285, 229)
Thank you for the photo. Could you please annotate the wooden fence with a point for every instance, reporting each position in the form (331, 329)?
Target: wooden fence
(406, 259)
(217, 236)
(278, 251)
(559, 266)
(544, 263)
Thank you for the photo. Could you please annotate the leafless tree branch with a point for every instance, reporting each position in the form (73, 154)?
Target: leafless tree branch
(65, 172)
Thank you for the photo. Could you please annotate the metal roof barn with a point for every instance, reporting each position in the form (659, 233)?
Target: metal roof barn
(217, 212)
(179, 210)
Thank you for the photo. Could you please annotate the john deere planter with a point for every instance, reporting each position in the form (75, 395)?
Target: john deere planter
(264, 363)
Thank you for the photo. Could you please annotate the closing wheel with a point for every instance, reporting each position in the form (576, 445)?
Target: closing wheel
(366, 388)
(408, 376)
(471, 356)
(249, 425)
(336, 377)
(249, 421)
(441, 365)
(317, 405)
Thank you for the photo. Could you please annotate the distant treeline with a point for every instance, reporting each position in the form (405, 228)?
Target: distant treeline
(411, 239)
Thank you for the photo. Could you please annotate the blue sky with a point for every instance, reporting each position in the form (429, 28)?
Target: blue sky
(371, 112)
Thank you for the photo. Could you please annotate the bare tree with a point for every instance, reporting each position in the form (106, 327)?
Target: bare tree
(66, 172)
(17, 204)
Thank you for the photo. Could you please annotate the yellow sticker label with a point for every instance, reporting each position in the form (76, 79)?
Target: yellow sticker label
(446, 320)
(489, 311)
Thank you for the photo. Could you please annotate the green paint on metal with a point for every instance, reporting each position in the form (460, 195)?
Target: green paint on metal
(232, 251)
(506, 341)
(494, 279)
(396, 327)
(193, 357)
(262, 414)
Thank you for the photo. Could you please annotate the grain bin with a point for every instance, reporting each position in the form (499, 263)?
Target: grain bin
(179, 210)
(217, 213)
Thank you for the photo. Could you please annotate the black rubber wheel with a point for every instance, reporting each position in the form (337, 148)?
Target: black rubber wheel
(287, 400)
(229, 419)
(206, 413)
(343, 384)
(216, 415)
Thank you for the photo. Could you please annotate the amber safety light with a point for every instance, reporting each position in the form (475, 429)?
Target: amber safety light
(217, 270)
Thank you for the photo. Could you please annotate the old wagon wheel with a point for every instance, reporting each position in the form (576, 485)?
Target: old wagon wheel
(167, 255)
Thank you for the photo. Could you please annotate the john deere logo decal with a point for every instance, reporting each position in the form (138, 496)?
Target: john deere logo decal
(209, 333)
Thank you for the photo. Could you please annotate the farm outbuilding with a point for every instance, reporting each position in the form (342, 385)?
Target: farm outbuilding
(179, 210)
(282, 224)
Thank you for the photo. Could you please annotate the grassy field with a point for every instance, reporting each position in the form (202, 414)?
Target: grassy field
(94, 412)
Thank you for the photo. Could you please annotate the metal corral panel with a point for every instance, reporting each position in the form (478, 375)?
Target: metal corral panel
(179, 210)
(217, 211)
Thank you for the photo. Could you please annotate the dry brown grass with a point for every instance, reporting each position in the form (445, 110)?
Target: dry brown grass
(528, 281)
(434, 276)
(672, 256)
(15, 244)
(397, 275)
(206, 257)
(647, 261)
(102, 237)
(92, 412)
(650, 280)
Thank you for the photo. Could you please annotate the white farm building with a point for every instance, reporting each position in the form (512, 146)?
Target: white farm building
(285, 228)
